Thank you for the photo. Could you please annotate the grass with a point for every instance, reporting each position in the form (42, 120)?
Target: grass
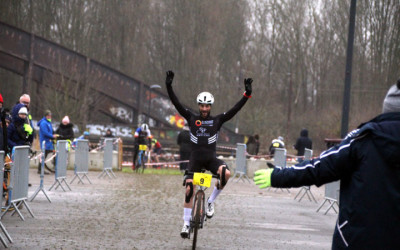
(161, 171)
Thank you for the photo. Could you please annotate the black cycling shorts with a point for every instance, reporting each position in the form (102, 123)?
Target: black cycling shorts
(209, 163)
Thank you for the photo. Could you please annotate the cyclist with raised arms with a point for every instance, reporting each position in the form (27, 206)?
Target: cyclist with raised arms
(142, 137)
(204, 130)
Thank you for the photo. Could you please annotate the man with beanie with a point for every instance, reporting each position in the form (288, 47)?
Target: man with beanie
(367, 163)
(46, 134)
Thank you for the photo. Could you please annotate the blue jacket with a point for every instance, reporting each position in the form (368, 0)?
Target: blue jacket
(46, 133)
(16, 135)
(367, 163)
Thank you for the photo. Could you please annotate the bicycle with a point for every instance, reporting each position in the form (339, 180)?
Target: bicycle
(202, 180)
(141, 159)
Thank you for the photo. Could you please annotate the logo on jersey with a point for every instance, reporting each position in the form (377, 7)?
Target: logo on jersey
(208, 123)
(198, 123)
(202, 132)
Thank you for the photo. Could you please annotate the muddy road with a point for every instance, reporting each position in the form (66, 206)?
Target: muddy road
(145, 212)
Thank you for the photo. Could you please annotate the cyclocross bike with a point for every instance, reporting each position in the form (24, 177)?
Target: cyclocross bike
(141, 159)
(202, 180)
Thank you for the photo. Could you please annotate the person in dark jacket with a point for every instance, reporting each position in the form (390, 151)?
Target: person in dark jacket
(109, 134)
(19, 132)
(302, 143)
(65, 130)
(367, 163)
(251, 145)
(185, 147)
(276, 143)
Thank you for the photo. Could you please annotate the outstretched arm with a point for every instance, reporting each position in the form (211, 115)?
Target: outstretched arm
(247, 94)
(168, 82)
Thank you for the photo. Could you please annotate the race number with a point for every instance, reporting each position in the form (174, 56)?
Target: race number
(202, 179)
(143, 147)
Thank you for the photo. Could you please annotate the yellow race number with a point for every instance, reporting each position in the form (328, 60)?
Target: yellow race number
(202, 179)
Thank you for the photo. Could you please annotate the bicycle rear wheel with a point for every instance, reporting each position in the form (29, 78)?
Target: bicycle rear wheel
(197, 216)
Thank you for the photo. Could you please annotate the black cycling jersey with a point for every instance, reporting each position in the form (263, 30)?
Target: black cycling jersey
(204, 131)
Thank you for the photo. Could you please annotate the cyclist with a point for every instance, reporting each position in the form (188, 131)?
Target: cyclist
(142, 137)
(204, 130)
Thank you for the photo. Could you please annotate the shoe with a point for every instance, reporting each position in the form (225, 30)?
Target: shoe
(185, 231)
(210, 210)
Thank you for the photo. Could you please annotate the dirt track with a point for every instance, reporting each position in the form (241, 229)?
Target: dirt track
(145, 212)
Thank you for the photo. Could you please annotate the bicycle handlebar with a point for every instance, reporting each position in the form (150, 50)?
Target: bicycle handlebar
(191, 173)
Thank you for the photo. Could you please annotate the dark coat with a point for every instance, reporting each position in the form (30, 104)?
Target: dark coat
(65, 132)
(16, 135)
(367, 163)
(183, 141)
(303, 142)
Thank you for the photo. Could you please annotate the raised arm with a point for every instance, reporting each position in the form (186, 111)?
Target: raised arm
(246, 95)
(168, 82)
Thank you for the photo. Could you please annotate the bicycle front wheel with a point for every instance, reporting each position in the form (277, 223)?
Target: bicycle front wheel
(197, 216)
(142, 159)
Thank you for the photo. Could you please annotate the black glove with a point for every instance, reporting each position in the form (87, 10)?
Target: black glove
(247, 86)
(170, 77)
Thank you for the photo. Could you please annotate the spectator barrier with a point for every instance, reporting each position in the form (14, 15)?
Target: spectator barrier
(331, 196)
(18, 188)
(306, 190)
(241, 163)
(41, 187)
(280, 161)
(2, 239)
(61, 165)
(81, 165)
(108, 156)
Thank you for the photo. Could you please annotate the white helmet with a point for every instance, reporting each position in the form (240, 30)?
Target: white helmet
(144, 127)
(205, 98)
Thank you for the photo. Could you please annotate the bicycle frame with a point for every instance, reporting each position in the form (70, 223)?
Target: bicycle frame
(195, 224)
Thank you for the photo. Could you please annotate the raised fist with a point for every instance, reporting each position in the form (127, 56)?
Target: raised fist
(170, 77)
(247, 86)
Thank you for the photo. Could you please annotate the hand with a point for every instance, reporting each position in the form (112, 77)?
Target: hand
(28, 129)
(170, 77)
(247, 86)
(56, 135)
(262, 177)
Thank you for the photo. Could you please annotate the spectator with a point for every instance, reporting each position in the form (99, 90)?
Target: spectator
(257, 138)
(276, 143)
(85, 136)
(46, 135)
(302, 143)
(156, 146)
(25, 99)
(65, 130)
(367, 163)
(185, 147)
(19, 132)
(109, 134)
(251, 146)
